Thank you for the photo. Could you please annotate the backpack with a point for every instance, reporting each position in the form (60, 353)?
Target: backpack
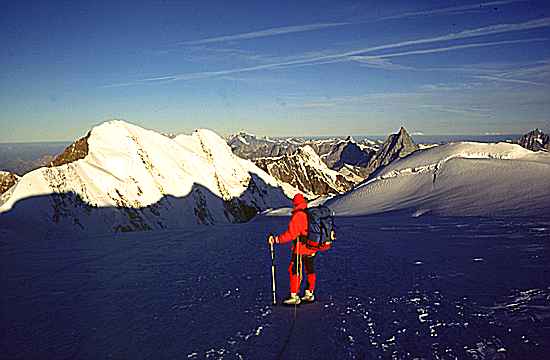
(321, 229)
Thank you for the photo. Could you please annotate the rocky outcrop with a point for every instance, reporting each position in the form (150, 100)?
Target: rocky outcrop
(396, 146)
(347, 152)
(305, 171)
(535, 140)
(76, 151)
(7, 180)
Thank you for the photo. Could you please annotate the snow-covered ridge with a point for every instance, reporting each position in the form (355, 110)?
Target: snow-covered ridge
(462, 150)
(464, 178)
(136, 179)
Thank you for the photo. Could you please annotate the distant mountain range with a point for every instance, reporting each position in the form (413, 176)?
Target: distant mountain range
(121, 177)
(21, 158)
(344, 161)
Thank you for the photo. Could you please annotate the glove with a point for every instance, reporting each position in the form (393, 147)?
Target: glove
(272, 240)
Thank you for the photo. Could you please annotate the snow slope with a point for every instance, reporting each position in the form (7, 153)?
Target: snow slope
(138, 179)
(464, 179)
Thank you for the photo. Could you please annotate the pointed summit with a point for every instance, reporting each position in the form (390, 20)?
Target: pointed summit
(76, 151)
(396, 146)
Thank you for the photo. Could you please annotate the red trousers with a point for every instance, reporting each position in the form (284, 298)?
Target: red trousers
(295, 272)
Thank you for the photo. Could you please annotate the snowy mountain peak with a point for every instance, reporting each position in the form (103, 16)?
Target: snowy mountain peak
(396, 146)
(131, 178)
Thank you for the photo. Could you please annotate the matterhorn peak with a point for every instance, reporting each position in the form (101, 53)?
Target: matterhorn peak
(396, 146)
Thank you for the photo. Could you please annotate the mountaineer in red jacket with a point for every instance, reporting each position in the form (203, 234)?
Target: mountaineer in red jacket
(301, 252)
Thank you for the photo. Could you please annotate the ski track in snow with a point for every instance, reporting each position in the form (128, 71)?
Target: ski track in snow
(393, 287)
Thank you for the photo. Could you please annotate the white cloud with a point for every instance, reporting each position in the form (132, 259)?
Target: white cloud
(468, 111)
(482, 31)
(265, 33)
(324, 58)
(450, 48)
(320, 26)
(503, 79)
(378, 62)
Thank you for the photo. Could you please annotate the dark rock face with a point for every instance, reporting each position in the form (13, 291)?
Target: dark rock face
(347, 152)
(7, 180)
(279, 158)
(535, 140)
(324, 147)
(305, 171)
(396, 146)
(76, 151)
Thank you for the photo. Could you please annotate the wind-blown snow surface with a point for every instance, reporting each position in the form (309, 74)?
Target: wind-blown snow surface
(467, 179)
(138, 179)
(392, 287)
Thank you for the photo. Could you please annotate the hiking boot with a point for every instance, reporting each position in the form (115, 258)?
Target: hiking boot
(292, 300)
(308, 296)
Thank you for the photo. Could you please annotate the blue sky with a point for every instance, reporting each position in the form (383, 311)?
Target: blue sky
(274, 68)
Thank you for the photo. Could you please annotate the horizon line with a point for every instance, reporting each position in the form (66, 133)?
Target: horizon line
(288, 136)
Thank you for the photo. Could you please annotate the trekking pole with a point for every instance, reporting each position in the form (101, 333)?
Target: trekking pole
(273, 271)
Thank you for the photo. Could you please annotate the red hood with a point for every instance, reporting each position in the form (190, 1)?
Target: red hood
(301, 206)
(299, 202)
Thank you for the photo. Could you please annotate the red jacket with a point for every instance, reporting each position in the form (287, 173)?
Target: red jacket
(298, 226)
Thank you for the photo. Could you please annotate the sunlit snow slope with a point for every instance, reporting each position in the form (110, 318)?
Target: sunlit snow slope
(463, 179)
(138, 179)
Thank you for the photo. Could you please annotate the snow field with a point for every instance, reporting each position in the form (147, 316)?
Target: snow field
(392, 287)
(464, 179)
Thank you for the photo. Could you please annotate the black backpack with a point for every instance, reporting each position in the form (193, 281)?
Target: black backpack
(320, 226)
